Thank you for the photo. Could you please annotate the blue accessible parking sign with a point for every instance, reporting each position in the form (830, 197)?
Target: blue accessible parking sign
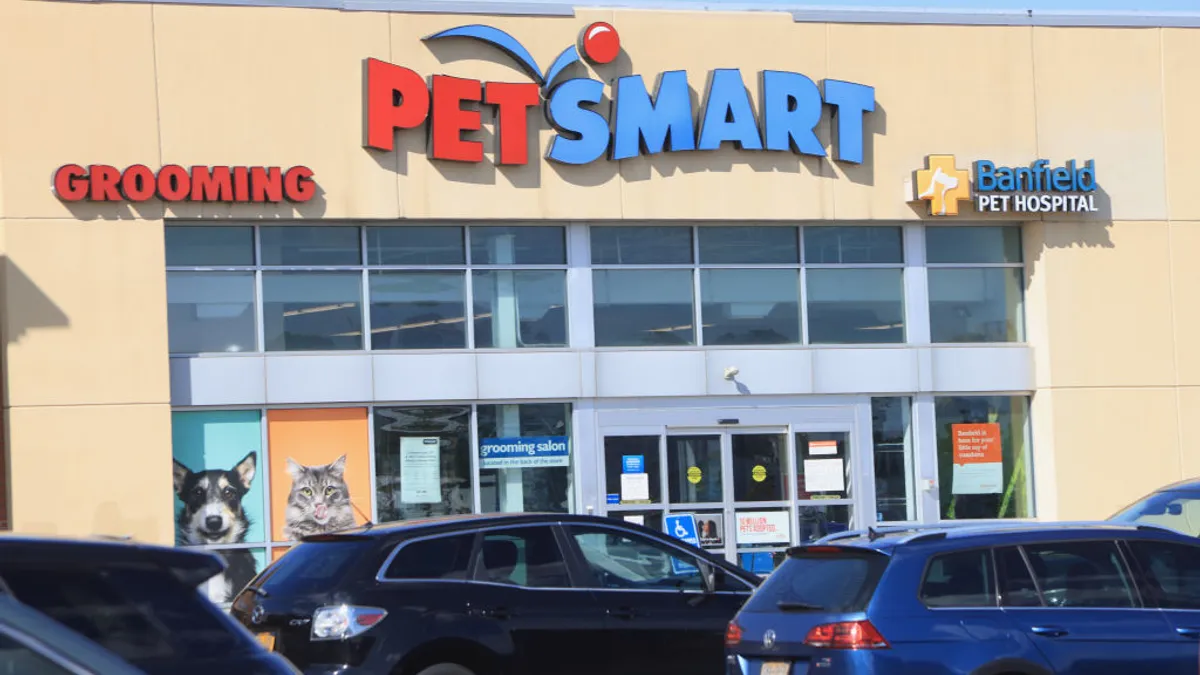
(683, 527)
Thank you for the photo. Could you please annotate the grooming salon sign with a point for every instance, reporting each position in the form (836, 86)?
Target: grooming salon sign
(524, 452)
(636, 123)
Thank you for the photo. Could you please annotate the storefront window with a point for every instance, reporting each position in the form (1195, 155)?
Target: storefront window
(891, 421)
(211, 312)
(983, 457)
(305, 311)
(643, 308)
(694, 469)
(818, 520)
(750, 306)
(976, 284)
(520, 308)
(629, 245)
(525, 458)
(422, 462)
(418, 310)
(854, 284)
(748, 245)
(416, 280)
(632, 470)
(310, 245)
(759, 467)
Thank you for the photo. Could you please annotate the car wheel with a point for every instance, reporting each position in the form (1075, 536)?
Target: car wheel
(446, 669)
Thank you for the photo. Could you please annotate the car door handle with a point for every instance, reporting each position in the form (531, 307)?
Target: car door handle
(1048, 631)
(1188, 631)
(492, 612)
(623, 613)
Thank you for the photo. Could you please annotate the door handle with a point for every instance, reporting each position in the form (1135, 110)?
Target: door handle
(491, 612)
(1048, 631)
(623, 613)
(1188, 631)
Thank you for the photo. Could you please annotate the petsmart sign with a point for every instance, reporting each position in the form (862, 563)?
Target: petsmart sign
(637, 122)
(524, 452)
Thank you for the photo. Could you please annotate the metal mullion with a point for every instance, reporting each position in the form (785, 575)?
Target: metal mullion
(697, 314)
(476, 498)
(373, 478)
(212, 269)
(975, 265)
(416, 268)
(858, 266)
(365, 290)
(750, 266)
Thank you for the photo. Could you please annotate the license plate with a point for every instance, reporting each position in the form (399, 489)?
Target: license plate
(776, 668)
(268, 640)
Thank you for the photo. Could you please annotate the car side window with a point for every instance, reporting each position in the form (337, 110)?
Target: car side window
(1082, 574)
(440, 558)
(620, 560)
(523, 556)
(960, 579)
(1014, 579)
(1172, 572)
(18, 658)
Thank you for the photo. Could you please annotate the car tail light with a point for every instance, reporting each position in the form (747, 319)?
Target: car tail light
(342, 622)
(846, 635)
(733, 634)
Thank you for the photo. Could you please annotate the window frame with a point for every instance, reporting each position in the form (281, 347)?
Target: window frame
(928, 266)
(364, 268)
(1142, 576)
(990, 561)
(801, 267)
(1124, 562)
(468, 574)
(476, 567)
(579, 560)
(40, 648)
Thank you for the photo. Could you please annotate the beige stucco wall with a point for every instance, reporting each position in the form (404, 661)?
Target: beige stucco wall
(1112, 299)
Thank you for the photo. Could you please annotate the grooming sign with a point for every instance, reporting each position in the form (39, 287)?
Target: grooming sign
(523, 452)
(1037, 188)
(637, 122)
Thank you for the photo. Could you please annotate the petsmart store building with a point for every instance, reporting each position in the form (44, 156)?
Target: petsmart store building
(274, 270)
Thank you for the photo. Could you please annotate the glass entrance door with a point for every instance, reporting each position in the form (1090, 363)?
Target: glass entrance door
(754, 491)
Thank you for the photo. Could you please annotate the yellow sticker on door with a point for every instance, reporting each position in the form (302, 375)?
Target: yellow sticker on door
(759, 473)
(694, 475)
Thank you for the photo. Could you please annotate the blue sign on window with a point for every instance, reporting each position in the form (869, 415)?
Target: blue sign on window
(524, 452)
(683, 527)
(614, 498)
(633, 464)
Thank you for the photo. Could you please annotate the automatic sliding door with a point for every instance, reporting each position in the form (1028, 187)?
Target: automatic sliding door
(761, 508)
(824, 484)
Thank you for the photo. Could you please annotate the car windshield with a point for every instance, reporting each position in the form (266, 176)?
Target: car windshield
(1176, 509)
(313, 566)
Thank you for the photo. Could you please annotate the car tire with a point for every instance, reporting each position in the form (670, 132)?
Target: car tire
(446, 669)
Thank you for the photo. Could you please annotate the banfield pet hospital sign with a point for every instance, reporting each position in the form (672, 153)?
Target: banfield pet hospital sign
(637, 123)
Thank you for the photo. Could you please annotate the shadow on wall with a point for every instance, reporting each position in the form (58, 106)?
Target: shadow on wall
(157, 210)
(643, 167)
(1069, 230)
(24, 307)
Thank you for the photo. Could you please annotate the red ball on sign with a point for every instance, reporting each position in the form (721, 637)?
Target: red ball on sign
(599, 42)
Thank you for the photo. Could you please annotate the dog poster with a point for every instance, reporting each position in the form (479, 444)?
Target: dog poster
(320, 473)
(219, 494)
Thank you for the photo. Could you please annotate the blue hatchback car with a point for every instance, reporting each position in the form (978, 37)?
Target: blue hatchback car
(996, 599)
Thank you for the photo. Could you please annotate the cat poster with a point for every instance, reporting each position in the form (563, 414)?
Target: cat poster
(320, 471)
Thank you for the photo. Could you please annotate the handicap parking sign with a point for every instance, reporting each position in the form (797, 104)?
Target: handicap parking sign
(683, 527)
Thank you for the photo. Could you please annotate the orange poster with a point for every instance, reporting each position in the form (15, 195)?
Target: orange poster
(978, 459)
(976, 443)
(320, 470)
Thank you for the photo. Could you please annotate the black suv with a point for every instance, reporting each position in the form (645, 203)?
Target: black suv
(139, 602)
(513, 594)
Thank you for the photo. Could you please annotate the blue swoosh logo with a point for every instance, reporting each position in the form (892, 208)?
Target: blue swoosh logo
(513, 47)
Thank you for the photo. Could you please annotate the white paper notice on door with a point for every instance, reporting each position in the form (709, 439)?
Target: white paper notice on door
(420, 470)
(635, 487)
(978, 479)
(636, 520)
(824, 475)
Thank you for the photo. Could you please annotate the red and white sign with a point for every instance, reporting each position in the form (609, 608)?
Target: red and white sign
(763, 527)
(174, 183)
(978, 459)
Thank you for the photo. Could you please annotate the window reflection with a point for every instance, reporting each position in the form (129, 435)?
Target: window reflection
(520, 308)
(694, 469)
(210, 312)
(406, 487)
(855, 306)
(641, 308)
(982, 304)
(983, 458)
(750, 306)
(545, 488)
(418, 310)
(312, 310)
